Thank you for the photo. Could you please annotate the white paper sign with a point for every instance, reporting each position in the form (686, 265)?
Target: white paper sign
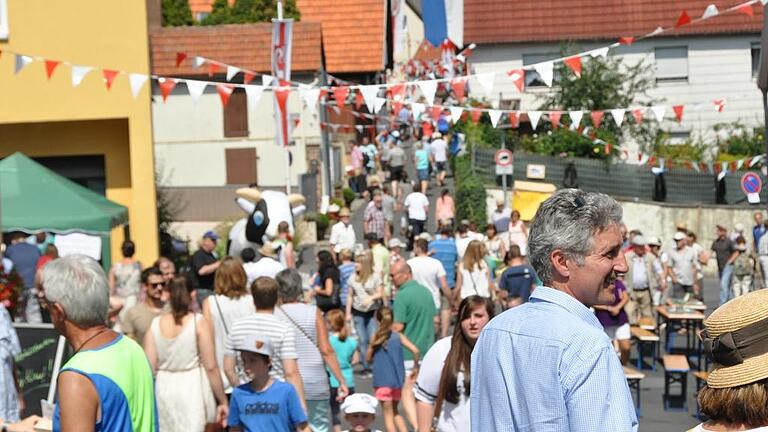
(78, 243)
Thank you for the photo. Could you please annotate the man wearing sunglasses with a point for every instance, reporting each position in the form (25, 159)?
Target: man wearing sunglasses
(139, 318)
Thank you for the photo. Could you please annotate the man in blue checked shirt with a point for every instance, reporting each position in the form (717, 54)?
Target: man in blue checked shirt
(548, 365)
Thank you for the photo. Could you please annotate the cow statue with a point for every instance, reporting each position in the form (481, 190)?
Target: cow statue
(265, 210)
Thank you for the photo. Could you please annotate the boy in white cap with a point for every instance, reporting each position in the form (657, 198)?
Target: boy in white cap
(360, 411)
(264, 404)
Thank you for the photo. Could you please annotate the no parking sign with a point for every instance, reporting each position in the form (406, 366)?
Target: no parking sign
(751, 184)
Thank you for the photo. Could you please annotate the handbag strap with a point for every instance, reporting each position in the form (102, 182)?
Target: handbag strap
(221, 315)
(295, 324)
(441, 389)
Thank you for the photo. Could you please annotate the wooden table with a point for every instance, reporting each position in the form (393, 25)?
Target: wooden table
(691, 320)
(634, 377)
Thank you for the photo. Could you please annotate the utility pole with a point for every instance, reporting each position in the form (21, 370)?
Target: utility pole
(503, 147)
(762, 79)
(325, 149)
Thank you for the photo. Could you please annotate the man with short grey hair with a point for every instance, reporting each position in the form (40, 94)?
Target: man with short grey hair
(548, 364)
(106, 366)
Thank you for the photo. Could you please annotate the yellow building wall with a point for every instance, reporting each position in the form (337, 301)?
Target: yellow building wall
(42, 117)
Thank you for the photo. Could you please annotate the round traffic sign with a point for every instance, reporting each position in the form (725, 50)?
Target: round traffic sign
(751, 183)
(504, 157)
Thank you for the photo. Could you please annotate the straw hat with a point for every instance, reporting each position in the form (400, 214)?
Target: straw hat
(268, 249)
(727, 319)
(344, 212)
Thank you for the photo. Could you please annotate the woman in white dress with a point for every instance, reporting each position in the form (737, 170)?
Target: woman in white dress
(181, 352)
(125, 280)
(230, 301)
(518, 233)
(474, 276)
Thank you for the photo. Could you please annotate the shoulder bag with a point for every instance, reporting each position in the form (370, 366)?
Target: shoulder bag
(333, 301)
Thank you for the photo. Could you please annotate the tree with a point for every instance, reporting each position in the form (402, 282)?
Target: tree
(249, 11)
(177, 13)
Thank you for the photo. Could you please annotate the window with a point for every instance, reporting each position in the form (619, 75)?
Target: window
(4, 20)
(755, 51)
(236, 115)
(671, 64)
(241, 165)
(532, 78)
(679, 137)
(509, 104)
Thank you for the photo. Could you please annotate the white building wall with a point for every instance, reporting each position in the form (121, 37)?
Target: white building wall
(718, 67)
(190, 144)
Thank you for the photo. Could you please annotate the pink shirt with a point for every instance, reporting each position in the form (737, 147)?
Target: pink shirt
(357, 157)
(444, 208)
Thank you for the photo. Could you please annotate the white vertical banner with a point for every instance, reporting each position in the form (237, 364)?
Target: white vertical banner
(399, 29)
(282, 35)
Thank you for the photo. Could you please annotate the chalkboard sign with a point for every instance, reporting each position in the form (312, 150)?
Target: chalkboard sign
(37, 362)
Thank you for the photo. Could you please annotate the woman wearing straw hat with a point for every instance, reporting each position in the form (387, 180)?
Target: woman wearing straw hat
(736, 339)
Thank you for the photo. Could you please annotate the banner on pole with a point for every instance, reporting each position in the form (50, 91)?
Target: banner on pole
(282, 36)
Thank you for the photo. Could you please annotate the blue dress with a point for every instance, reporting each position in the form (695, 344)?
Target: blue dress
(9, 348)
(388, 364)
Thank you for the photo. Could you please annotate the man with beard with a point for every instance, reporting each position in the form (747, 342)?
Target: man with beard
(548, 365)
(139, 318)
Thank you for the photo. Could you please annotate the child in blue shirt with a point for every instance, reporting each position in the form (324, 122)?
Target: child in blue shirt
(345, 348)
(264, 404)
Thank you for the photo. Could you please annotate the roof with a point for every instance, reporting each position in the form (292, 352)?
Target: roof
(242, 45)
(353, 32)
(499, 21)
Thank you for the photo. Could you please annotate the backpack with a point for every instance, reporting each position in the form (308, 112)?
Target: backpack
(743, 265)
(366, 158)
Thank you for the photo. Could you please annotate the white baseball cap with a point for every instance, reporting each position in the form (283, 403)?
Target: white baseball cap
(638, 240)
(359, 403)
(679, 236)
(395, 242)
(255, 343)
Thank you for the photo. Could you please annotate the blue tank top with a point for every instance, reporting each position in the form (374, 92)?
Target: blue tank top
(388, 367)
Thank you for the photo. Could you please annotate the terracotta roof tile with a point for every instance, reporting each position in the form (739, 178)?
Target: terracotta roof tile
(243, 45)
(495, 21)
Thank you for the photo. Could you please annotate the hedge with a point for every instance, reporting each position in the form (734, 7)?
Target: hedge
(470, 193)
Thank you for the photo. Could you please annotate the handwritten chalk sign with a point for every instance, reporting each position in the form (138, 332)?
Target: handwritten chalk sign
(42, 352)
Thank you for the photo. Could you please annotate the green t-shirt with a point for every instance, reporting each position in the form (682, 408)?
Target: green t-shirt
(415, 307)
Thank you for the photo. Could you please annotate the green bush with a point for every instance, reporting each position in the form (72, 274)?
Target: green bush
(564, 142)
(321, 222)
(349, 195)
(738, 141)
(470, 194)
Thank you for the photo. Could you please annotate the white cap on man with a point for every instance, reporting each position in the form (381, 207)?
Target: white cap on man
(638, 240)
(396, 242)
(679, 236)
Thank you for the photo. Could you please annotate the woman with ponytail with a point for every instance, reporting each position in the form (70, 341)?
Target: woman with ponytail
(386, 352)
(180, 349)
(442, 388)
(345, 348)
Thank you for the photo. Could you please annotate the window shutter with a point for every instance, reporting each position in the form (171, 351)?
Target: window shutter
(236, 115)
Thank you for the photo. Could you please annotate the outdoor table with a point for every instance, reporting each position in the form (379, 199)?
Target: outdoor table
(676, 318)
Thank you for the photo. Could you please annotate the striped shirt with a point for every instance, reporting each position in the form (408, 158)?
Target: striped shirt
(276, 329)
(444, 250)
(548, 366)
(311, 365)
(346, 269)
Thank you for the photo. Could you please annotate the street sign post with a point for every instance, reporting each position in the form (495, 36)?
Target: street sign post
(751, 184)
(504, 160)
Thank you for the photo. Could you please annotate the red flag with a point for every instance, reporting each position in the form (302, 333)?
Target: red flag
(719, 105)
(212, 68)
(435, 112)
(475, 114)
(340, 94)
(50, 66)
(396, 107)
(597, 118)
(358, 100)
(554, 118)
(109, 77)
(225, 91)
(574, 63)
(608, 148)
(458, 85)
(248, 77)
(514, 119)
(652, 161)
(639, 156)
(627, 40)
(703, 167)
(518, 78)
(397, 90)
(281, 94)
(733, 166)
(746, 10)
(679, 112)
(166, 86)
(180, 56)
(683, 19)
(638, 114)
(717, 166)
(688, 165)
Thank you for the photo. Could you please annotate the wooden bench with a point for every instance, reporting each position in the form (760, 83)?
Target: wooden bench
(634, 377)
(647, 323)
(645, 339)
(675, 372)
(701, 380)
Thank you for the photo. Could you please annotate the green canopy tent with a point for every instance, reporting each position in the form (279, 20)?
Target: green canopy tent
(34, 198)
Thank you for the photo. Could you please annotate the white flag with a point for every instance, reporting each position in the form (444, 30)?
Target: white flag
(21, 62)
(231, 72)
(137, 82)
(359, 128)
(253, 94)
(369, 93)
(196, 88)
(198, 61)
(428, 89)
(78, 73)
(618, 115)
(575, 118)
(658, 111)
(417, 109)
(378, 103)
(456, 113)
(710, 11)
(545, 71)
(486, 82)
(266, 80)
(600, 52)
(310, 96)
(534, 116)
(644, 159)
(658, 30)
(495, 115)
(739, 164)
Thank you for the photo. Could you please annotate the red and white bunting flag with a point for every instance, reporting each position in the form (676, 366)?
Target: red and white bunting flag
(554, 118)
(396, 107)
(456, 113)
(213, 68)
(576, 117)
(486, 82)
(309, 95)
(253, 94)
(475, 115)
(514, 119)
(608, 148)
(458, 85)
(428, 89)
(679, 112)
(652, 161)
(710, 11)
(50, 66)
(746, 9)
(225, 91)
(644, 158)
(627, 40)
(248, 77)
(638, 114)
(659, 111)
(196, 88)
(694, 166)
(719, 105)
(597, 118)
(136, 80)
(435, 112)
(574, 63)
(369, 93)
(397, 91)
(358, 100)
(267, 80)
(495, 116)
(231, 72)
(21, 62)
(378, 102)
(600, 52)
(180, 56)
(518, 78)
(359, 128)
(281, 99)
(545, 71)
(618, 115)
(684, 19)
(166, 86)
(534, 117)
(198, 61)
(732, 166)
(109, 77)
(417, 109)
(340, 95)
(78, 73)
